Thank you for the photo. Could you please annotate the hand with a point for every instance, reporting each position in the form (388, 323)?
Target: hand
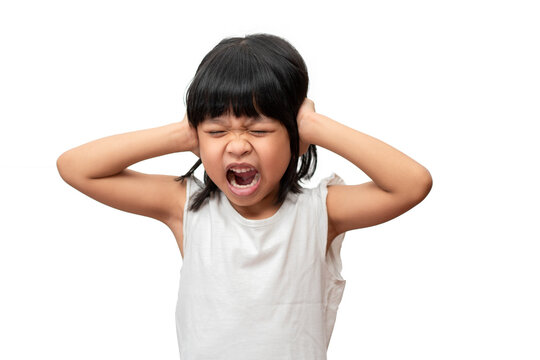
(306, 109)
(192, 137)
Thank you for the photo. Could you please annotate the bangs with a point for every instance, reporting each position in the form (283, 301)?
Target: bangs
(238, 81)
(260, 74)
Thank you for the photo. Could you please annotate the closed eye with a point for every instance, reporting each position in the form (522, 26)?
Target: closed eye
(254, 132)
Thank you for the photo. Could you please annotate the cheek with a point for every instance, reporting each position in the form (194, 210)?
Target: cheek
(207, 149)
(278, 155)
(210, 157)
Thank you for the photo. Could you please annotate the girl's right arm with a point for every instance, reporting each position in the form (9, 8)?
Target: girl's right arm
(99, 170)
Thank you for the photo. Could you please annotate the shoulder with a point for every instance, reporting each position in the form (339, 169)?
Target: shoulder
(317, 202)
(325, 187)
(189, 188)
(183, 190)
(178, 196)
(326, 192)
(316, 197)
(314, 206)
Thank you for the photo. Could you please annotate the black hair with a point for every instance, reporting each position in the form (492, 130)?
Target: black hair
(253, 75)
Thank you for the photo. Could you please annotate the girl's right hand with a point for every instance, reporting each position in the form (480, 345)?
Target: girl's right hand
(306, 109)
(192, 138)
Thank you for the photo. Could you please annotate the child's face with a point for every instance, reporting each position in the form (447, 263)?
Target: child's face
(260, 146)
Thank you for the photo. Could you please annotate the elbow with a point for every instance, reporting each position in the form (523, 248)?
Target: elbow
(62, 165)
(415, 187)
(422, 185)
(59, 161)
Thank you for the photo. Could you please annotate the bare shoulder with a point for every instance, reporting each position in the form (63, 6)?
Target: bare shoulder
(177, 200)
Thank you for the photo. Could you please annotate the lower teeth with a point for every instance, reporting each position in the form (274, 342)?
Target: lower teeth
(253, 182)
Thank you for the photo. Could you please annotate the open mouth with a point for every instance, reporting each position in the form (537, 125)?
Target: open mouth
(243, 178)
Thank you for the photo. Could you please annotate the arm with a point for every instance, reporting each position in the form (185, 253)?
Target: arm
(399, 182)
(99, 169)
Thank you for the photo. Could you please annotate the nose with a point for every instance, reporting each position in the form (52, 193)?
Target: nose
(238, 146)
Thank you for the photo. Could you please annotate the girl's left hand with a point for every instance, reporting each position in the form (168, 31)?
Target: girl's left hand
(306, 109)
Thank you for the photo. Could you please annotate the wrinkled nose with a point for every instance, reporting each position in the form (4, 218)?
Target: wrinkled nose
(238, 146)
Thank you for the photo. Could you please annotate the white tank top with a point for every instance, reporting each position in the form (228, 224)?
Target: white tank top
(258, 289)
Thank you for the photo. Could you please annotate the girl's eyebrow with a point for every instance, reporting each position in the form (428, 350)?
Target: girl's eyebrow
(220, 120)
(214, 120)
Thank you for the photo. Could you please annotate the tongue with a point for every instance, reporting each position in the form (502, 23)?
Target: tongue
(245, 178)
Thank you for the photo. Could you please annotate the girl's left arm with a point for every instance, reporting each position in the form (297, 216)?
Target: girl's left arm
(399, 183)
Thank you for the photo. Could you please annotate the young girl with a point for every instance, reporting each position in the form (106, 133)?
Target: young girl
(260, 277)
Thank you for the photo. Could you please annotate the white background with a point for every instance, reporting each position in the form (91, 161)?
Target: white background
(453, 84)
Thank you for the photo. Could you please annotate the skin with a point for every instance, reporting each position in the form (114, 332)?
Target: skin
(263, 143)
(99, 169)
(398, 182)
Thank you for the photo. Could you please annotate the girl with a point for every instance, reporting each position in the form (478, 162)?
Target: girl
(260, 277)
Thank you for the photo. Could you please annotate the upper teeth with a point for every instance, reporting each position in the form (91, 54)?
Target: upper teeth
(241, 170)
